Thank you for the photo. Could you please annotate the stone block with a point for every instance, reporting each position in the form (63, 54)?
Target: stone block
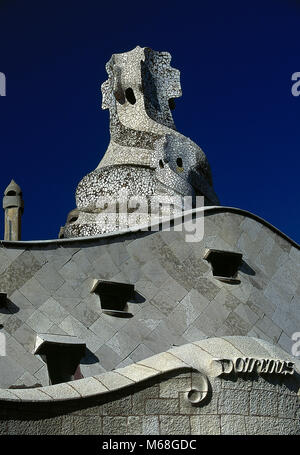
(113, 380)
(205, 424)
(114, 425)
(39, 322)
(140, 353)
(26, 337)
(10, 371)
(22, 427)
(261, 425)
(172, 387)
(18, 304)
(108, 358)
(150, 425)
(49, 278)
(134, 425)
(154, 271)
(84, 314)
(263, 403)
(102, 329)
(174, 425)
(234, 402)
(233, 425)
(104, 267)
(162, 406)
(206, 287)
(287, 406)
(137, 372)
(35, 292)
(53, 310)
(88, 387)
(269, 328)
(120, 406)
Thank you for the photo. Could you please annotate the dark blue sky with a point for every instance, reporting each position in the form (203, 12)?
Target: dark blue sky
(236, 60)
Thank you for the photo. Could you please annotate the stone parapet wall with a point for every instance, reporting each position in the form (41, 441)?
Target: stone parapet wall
(141, 400)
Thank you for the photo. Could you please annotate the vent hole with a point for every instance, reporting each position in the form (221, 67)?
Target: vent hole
(73, 219)
(161, 164)
(179, 162)
(172, 104)
(130, 95)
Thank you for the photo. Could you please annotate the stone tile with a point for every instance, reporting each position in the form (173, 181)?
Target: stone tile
(164, 361)
(103, 330)
(104, 267)
(227, 299)
(88, 387)
(18, 304)
(134, 425)
(212, 318)
(138, 372)
(82, 261)
(53, 310)
(155, 272)
(162, 406)
(164, 303)
(263, 403)
(42, 376)
(73, 274)
(63, 391)
(122, 344)
(269, 328)
(193, 334)
(246, 313)
(108, 358)
(285, 342)
(234, 402)
(34, 292)
(207, 288)
(233, 425)
(10, 372)
(131, 270)
(205, 424)
(26, 379)
(181, 249)
(39, 322)
(84, 314)
(113, 380)
(285, 320)
(87, 425)
(146, 288)
(234, 325)
(261, 425)
(26, 337)
(175, 425)
(121, 406)
(12, 324)
(49, 278)
(140, 353)
(174, 289)
(114, 425)
(150, 425)
(171, 388)
(287, 406)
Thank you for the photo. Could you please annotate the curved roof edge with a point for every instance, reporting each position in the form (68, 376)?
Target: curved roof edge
(202, 356)
(208, 210)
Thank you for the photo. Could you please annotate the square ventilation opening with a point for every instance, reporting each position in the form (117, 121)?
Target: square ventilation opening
(225, 264)
(114, 296)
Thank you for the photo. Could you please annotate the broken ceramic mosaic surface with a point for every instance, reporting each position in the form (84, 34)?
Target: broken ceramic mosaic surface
(146, 157)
